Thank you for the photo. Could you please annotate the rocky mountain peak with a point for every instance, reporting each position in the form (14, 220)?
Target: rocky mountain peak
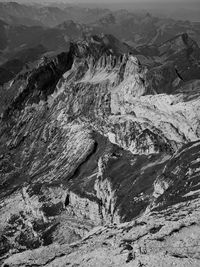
(96, 45)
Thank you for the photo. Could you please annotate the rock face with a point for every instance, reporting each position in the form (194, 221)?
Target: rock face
(161, 239)
(97, 137)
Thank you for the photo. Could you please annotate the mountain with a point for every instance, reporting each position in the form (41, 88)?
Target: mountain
(22, 45)
(137, 29)
(100, 157)
(20, 60)
(35, 15)
(134, 27)
(48, 29)
(15, 13)
(15, 38)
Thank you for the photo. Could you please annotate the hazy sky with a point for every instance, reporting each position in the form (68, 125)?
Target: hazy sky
(121, 1)
(127, 1)
(107, 1)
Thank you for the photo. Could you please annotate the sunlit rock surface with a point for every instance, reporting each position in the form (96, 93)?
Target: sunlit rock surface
(96, 140)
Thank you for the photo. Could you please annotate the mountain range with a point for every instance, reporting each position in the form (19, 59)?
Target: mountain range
(27, 35)
(100, 143)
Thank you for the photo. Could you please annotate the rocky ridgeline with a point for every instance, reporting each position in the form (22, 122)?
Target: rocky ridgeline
(95, 136)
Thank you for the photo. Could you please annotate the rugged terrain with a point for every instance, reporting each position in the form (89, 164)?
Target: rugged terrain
(30, 32)
(99, 157)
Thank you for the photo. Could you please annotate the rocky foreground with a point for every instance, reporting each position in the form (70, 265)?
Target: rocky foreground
(99, 158)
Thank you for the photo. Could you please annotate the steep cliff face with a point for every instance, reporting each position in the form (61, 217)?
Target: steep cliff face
(89, 140)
